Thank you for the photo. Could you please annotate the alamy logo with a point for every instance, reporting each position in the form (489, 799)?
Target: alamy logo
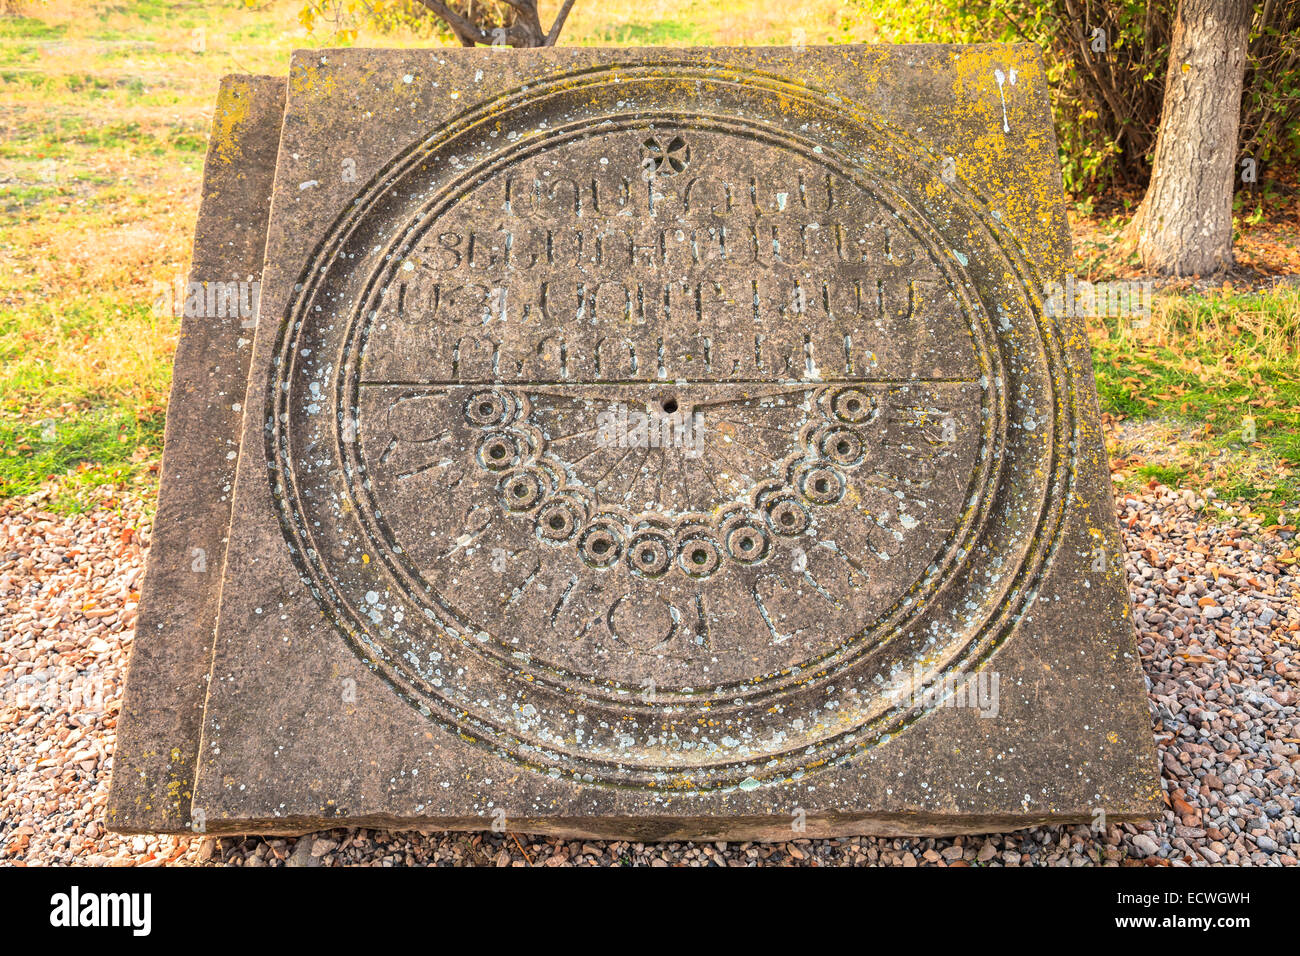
(1098, 300)
(209, 300)
(619, 427)
(979, 691)
(82, 693)
(75, 909)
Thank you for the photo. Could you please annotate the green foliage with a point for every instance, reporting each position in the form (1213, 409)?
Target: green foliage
(1106, 62)
(1270, 111)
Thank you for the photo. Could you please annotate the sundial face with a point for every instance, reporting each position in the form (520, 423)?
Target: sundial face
(636, 444)
(640, 428)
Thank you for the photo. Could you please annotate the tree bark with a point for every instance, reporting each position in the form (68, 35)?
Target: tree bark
(1183, 225)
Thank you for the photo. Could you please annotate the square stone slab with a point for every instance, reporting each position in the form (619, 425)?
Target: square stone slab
(671, 444)
(158, 729)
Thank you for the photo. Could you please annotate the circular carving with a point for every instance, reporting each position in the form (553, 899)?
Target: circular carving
(786, 516)
(489, 409)
(747, 540)
(440, 393)
(852, 405)
(499, 451)
(650, 553)
(601, 543)
(522, 490)
(698, 554)
(843, 446)
(560, 520)
(820, 484)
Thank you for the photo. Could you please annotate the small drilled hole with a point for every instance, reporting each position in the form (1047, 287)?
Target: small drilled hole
(853, 405)
(647, 556)
(485, 409)
(700, 556)
(670, 405)
(521, 491)
(787, 519)
(600, 546)
(556, 522)
(746, 544)
(843, 448)
(822, 485)
(497, 451)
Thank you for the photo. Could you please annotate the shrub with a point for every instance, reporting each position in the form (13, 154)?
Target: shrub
(1106, 62)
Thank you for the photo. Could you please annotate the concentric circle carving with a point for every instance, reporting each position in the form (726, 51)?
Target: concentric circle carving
(678, 520)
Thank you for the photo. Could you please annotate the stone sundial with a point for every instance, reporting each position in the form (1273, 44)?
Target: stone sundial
(657, 443)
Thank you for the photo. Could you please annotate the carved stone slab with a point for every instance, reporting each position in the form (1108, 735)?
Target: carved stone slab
(667, 443)
(158, 730)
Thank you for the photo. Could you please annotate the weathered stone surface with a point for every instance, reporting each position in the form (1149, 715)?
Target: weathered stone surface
(659, 444)
(158, 730)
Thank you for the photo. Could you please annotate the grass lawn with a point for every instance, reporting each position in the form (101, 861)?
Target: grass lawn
(104, 111)
(1206, 394)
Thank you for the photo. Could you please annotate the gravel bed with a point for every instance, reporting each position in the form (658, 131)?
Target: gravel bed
(1215, 605)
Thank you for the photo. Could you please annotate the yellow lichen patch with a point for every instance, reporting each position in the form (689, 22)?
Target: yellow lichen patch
(233, 103)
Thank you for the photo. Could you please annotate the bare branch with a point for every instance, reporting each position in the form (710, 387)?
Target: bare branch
(523, 27)
(558, 25)
(468, 32)
(527, 20)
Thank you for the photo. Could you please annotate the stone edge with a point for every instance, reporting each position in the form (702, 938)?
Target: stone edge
(166, 685)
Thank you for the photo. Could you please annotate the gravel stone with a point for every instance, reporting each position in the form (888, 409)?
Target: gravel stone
(1215, 607)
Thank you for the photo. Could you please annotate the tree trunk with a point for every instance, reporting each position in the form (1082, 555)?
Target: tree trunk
(1183, 225)
(523, 28)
